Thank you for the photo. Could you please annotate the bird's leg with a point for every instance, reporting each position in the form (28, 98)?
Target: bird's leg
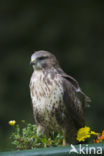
(64, 141)
(41, 129)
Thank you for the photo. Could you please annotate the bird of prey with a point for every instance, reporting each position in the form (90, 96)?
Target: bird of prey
(58, 101)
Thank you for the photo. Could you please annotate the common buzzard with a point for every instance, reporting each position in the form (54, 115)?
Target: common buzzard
(58, 101)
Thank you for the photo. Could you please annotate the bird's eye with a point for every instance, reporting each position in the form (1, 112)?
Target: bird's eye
(42, 58)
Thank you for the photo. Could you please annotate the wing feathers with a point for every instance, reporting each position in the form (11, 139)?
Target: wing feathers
(71, 102)
(79, 93)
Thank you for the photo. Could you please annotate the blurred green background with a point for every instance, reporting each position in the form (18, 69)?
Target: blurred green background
(73, 31)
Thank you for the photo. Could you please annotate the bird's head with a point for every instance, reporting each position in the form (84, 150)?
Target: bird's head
(43, 59)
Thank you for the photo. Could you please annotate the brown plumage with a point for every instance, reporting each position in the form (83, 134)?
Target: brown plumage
(58, 102)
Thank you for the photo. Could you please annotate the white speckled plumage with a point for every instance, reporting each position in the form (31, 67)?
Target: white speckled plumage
(46, 97)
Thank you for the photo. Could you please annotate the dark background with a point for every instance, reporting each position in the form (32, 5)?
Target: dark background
(73, 31)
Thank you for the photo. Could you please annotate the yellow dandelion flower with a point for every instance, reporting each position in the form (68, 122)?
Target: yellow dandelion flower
(83, 133)
(12, 122)
(23, 121)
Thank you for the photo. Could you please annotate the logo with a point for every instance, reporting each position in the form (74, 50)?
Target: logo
(73, 149)
(85, 149)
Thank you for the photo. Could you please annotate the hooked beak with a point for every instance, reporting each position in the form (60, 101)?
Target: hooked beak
(35, 64)
(32, 62)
